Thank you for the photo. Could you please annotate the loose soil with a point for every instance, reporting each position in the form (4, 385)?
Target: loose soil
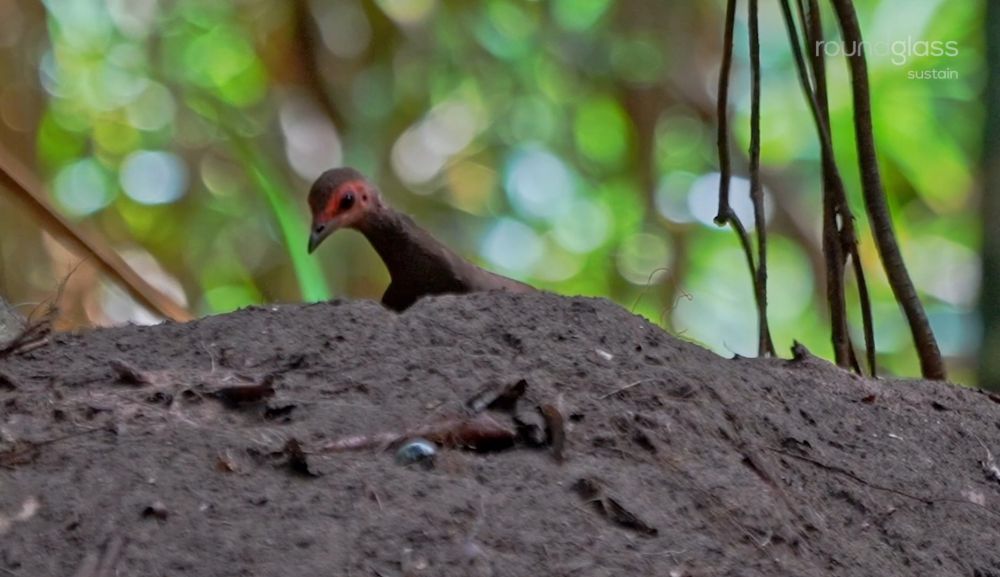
(260, 443)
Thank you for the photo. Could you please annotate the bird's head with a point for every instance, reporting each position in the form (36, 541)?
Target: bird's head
(340, 198)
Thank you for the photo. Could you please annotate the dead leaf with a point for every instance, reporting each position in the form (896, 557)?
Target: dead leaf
(556, 428)
(498, 397)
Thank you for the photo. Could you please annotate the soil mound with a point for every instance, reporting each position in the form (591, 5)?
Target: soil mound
(572, 438)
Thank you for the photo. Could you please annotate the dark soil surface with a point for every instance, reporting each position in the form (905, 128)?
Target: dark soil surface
(261, 443)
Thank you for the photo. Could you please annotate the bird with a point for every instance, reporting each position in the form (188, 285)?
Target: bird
(418, 264)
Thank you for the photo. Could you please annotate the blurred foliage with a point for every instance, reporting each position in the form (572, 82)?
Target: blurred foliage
(569, 143)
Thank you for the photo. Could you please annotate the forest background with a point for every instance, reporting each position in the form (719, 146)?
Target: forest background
(567, 143)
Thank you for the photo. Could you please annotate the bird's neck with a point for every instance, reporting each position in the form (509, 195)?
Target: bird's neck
(407, 250)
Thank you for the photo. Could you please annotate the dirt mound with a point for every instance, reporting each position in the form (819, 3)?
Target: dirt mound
(261, 443)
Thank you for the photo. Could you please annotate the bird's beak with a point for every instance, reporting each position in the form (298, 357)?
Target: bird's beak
(319, 233)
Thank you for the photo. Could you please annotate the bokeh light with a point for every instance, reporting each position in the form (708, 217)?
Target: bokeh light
(602, 131)
(223, 61)
(703, 200)
(312, 144)
(681, 143)
(407, 12)
(512, 246)
(423, 149)
(538, 183)
(672, 196)
(134, 18)
(84, 187)
(345, 28)
(153, 109)
(584, 226)
(579, 15)
(557, 265)
(944, 268)
(505, 28)
(153, 177)
(83, 25)
(471, 186)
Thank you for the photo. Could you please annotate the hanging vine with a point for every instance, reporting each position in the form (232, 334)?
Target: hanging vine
(840, 240)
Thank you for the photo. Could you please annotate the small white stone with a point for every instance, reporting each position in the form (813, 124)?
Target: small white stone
(604, 354)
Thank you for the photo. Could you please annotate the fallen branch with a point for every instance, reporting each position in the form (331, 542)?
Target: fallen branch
(479, 433)
(19, 181)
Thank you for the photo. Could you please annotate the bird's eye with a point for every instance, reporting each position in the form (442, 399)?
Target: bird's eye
(347, 201)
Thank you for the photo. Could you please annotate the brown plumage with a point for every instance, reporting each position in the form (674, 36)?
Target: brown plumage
(418, 264)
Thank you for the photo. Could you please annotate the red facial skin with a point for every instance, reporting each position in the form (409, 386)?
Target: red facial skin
(332, 210)
(338, 203)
